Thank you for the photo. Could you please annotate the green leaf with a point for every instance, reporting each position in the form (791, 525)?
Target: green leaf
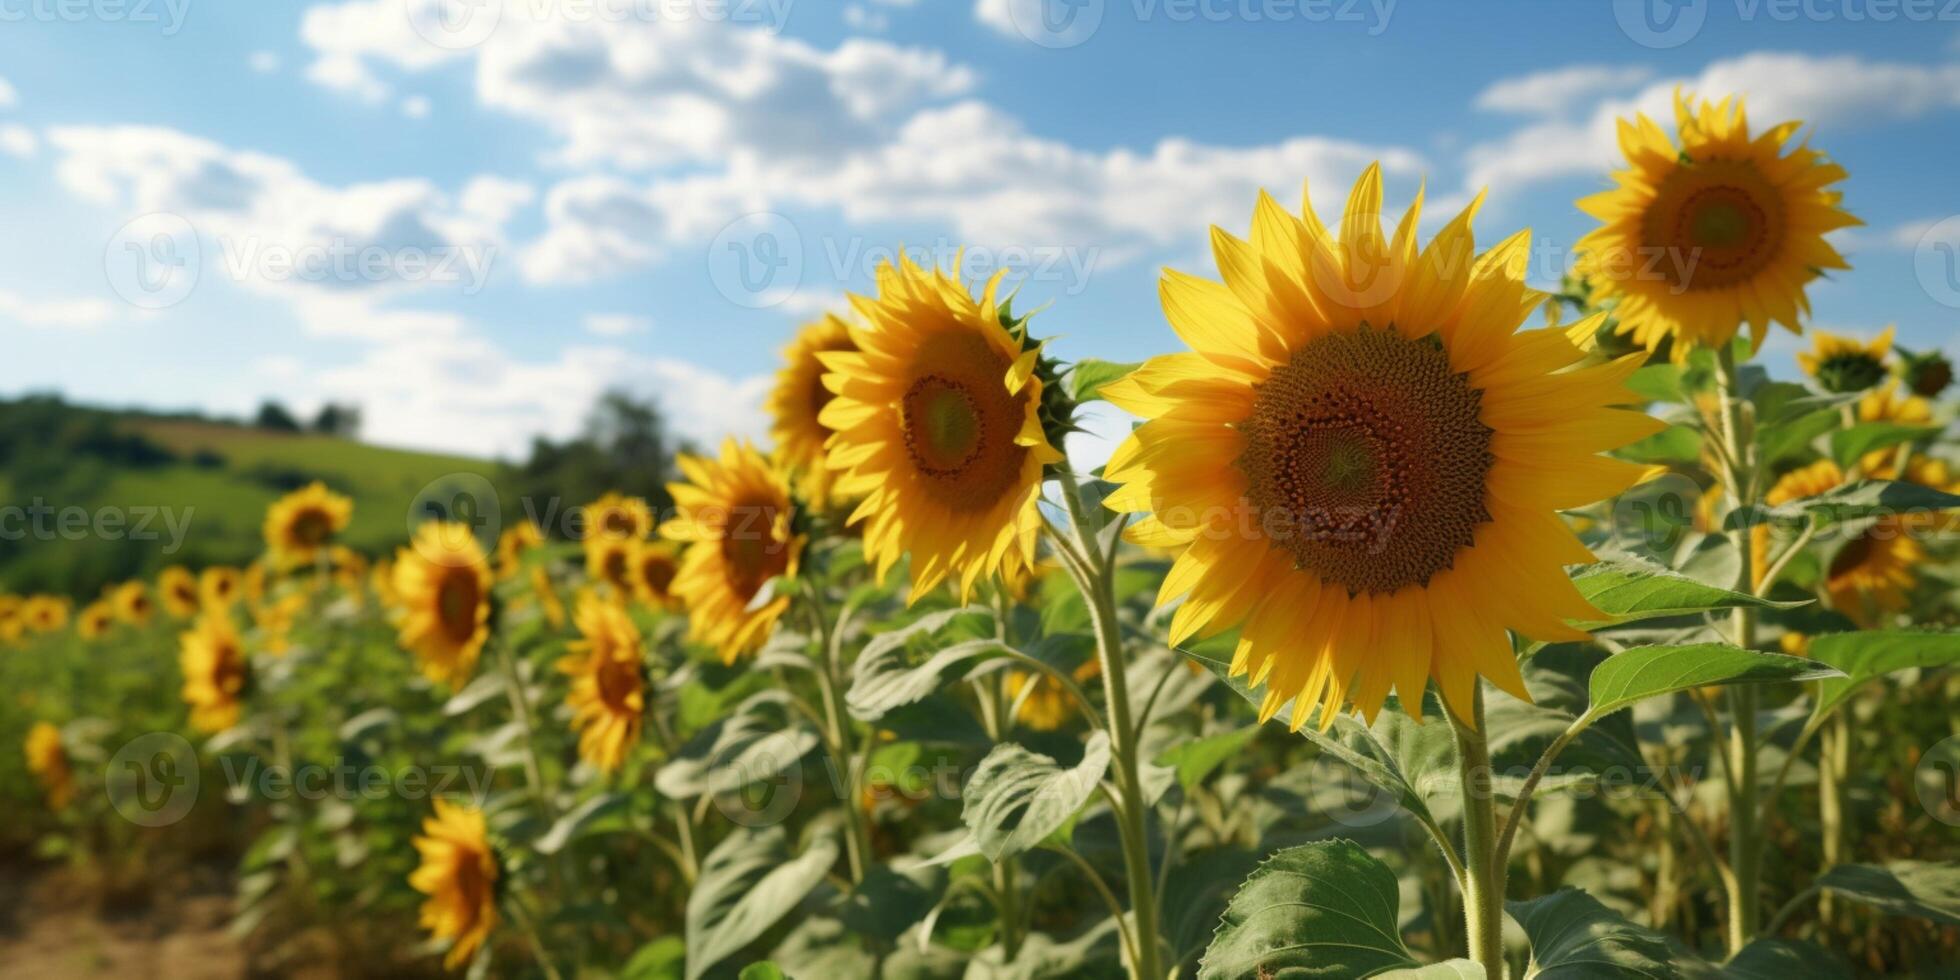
(763, 970)
(1674, 444)
(1850, 445)
(759, 741)
(662, 959)
(1320, 910)
(1865, 498)
(367, 723)
(1920, 889)
(1870, 654)
(1093, 953)
(1630, 589)
(1196, 759)
(1016, 798)
(482, 689)
(1447, 970)
(1573, 937)
(747, 884)
(884, 678)
(1090, 374)
(580, 821)
(1658, 383)
(1777, 959)
(1646, 672)
(1791, 439)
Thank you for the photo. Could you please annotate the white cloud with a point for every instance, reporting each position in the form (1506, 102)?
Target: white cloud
(1549, 93)
(616, 324)
(8, 97)
(18, 141)
(860, 18)
(1000, 14)
(416, 107)
(263, 62)
(55, 313)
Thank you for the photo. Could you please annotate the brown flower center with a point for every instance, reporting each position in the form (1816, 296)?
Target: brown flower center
(312, 527)
(960, 422)
(1366, 458)
(1720, 223)
(456, 603)
(751, 552)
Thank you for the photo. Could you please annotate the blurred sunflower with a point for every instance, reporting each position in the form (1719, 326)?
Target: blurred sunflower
(218, 586)
(350, 571)
(215, 671)
(44, 613)
(618, 517)
(301, 523)
(513, 543)
(131, 602)
(1843, 364)
(1044, 705)
(652, 573)
(459, 874)
(1873, 574)
(1722, 229)
(798, 400)
(610, 560)
(1362, 461)
(48, 761)
(554, 609)
(1926, 374)
(381, 579)
(1887, 403)
(608, 691)
(178, 588)
(275, 621)
(253, 584)
(442, 587)
(94, 619)
(734, 518)
(937, 427)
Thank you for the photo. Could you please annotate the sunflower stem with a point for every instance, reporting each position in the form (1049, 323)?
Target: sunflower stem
(1090, 571)
(1483, 882)
(1745, 854)
(837, 731)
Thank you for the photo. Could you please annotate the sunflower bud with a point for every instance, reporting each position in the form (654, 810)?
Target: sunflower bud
(1926, 374)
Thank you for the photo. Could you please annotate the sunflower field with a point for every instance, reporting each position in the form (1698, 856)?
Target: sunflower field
(1426, 625)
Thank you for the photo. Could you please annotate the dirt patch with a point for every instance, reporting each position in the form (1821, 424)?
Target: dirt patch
(55, 926)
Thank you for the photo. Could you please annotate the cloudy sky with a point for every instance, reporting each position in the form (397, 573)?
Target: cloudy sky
(470, 216)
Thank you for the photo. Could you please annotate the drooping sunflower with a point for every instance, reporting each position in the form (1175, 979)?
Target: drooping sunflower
(618, 517)
(44, 613)
(94, 619)
(797, 402)
(1718, 230)
(937, 426)
(301, 523)
(442, 588)
(513, 543)
(1926, 374)
(610, 560)
(734, 518)
(48, 761)
(131, 602)
(218, 586)
(1362, 461)
(212, 659)
(608, 692)
(459, 874)
(1843, 364)
(178, 588)
(654, 564)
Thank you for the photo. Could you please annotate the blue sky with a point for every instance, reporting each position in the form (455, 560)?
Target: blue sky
(470, 217)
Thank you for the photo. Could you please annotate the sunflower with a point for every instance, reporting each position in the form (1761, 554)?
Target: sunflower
(299, 524)
(1362, 462)
(1926, 374)
(350, 570)
(459, 874)
(734, 518)
(215, 672)
(610, 560)
(218, 586)
(275, 621)
(618, 517)
(1044, 704)
(131, 602)
(554, 609)
(442, 585)
(799, 398)
(44, 613)
(254, 585)
(937, 427)
(178, 588)
(1873, 574)
(94, 619)
(651, 572)
(608, 691)
(1842, 364)
(48, 761)
(1723, 228)
(1887, 403)
(513, 543)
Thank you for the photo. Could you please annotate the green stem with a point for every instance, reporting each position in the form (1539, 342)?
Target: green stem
(1833, 762)
(837, 735)
(1745, 856)
(1483, 883)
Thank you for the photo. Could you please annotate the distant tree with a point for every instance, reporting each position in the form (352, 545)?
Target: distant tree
(624, 446)
(273, 415)
(338, 420)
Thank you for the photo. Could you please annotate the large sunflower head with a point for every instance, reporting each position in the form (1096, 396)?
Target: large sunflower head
(178, 589)
(617, 517)
(654, 565)
(459, 874)
(513, 543)
(608, 693)
(215, 671)
(132, 604)
(734, 518)
(798, 400)
(94, 619)
(301, 523)
(217, 586)
(442, 587)
(48, 761)
(1362, 460)
(1844, 364)
(937, 426)
(1720, 229)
